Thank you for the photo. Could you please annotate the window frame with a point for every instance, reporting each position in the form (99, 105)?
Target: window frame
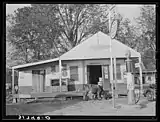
(57, 82)
(74, 73)
(53, 68)
(64, 70)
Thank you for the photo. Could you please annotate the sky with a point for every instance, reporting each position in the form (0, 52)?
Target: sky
(126, 10)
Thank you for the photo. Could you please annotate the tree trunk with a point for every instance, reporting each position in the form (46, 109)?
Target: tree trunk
(26, 56)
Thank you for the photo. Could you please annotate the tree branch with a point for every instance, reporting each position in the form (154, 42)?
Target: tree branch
(64, 23)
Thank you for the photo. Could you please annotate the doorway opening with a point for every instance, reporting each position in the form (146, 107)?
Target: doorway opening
(94, 72)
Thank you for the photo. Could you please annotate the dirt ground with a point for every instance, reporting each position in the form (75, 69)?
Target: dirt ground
(79, 107)
(105, 108)
(39, 107)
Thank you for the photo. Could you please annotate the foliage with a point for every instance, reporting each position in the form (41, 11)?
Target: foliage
(28, 34)
(141, 36)
(45, 31)
(146, 23)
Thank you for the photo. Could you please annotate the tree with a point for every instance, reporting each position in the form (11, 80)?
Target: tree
(45, 31)
(27, 33)
(141, 36)
(128, 34)
(79, 21)
(146, 23)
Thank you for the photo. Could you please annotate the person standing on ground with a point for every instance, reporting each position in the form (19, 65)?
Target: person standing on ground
(16, 92)
(100, 88)
(7, 89)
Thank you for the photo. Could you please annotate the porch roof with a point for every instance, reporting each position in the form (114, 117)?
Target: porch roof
(35, 63)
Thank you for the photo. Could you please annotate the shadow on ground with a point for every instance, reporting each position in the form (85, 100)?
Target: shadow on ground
(40, 107)
(143, 104)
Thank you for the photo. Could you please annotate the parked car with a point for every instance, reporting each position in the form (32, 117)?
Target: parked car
(150, 92)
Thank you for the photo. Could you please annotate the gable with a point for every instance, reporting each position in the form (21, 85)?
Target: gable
(97, 47)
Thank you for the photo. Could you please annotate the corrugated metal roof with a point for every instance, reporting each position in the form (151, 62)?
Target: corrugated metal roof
(97, 47)
(35, 63)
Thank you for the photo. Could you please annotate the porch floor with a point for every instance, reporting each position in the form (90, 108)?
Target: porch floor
(50, 95)
(56, 94)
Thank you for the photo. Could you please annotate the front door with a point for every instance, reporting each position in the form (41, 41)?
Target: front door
(94, 72)
(106, 77)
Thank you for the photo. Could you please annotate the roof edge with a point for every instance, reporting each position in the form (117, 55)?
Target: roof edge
(35, 63)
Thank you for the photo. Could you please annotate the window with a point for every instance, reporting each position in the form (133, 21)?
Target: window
(55, 82)
(149, 78)
(118, 70)
(143, 80)
(64, 70)
(136, 80)
(57, 68)
(53, 68)
(74, 73)
(64, 66)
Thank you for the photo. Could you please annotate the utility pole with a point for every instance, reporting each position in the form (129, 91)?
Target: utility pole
(12, 80)
(60, 74)
(140, 72)
(111, 60)
(115, 78)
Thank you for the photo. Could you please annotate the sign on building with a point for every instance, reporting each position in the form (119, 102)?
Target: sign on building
(137, 65)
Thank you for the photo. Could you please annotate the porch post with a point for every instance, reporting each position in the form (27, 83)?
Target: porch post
(115, 78)
(140, 72)
(12, 80)
(111, 60)
(60, 74)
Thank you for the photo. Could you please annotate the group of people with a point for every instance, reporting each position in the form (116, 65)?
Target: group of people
(9, 88)
(93, 91)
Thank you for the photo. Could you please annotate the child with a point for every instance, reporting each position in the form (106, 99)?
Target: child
(16, 89)
(100, 88)
(16, 92)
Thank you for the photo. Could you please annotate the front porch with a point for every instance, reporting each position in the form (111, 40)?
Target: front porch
(44, 95)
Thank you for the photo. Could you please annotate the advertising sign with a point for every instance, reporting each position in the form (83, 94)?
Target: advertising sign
(106, 72)
(137, 65)
(114, 27)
